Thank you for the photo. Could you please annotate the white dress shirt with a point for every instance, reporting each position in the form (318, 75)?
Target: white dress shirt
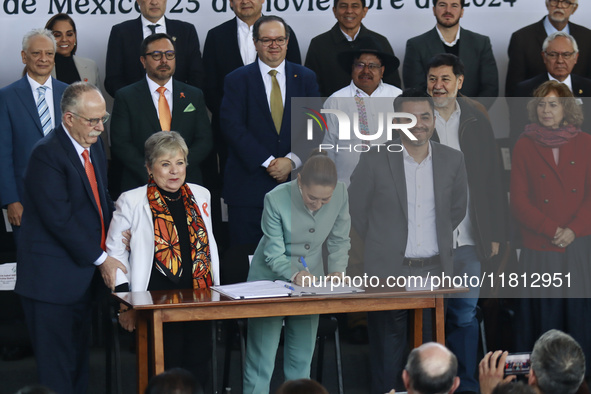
(153, 86)
(449, 134)
(248, 51)
(420, 193)
(79, 150)
(48, 96)
(281, 79)
(449, 44)
(551, 29)
(568, 81)
(379, 102)
(159, 29)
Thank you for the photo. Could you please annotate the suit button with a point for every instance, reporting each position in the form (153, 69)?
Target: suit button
(307, 246)
(572, 163)
(574, 190)
(543, 176)
(546, 201)
(311, 230)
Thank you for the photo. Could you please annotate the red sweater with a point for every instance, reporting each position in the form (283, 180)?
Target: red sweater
(545, 196)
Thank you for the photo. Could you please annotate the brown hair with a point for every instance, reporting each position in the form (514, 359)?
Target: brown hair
(319, 169)
(573, 114)
(66, 18)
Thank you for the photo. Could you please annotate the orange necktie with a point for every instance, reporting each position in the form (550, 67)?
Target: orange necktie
(88, 167)
(163, 110)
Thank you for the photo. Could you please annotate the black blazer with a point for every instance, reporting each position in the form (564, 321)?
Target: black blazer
(322, 58)
(123, 54)
(525, 58)
(517, 106)
(481, 77)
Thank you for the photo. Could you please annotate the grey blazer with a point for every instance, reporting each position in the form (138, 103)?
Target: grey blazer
(87, 69)
(379, 209)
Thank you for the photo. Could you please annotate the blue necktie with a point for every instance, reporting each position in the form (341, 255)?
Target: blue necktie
(43, 110)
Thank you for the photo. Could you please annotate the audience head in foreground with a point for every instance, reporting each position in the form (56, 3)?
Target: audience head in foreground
(301, 386)
(174, 381)
(557, 366)
(431, 369)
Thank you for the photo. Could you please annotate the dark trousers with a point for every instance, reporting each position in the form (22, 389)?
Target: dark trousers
(388, 340)
(60, 335)
(245, 225)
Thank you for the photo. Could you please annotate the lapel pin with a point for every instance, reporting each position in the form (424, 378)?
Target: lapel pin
(580, 91)
(182, 95)
(295, 75)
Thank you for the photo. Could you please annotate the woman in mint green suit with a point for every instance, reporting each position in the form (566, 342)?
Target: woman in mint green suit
(298, 217)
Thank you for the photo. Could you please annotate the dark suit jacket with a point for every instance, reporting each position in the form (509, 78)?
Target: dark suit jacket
(61, 228)
(525, 59)
(221, 56)
(135, 119)
(518, 105)
(123, 54)
(250, 133)
(481, 77)
(322, 58)
(20, 129)
(379, 207)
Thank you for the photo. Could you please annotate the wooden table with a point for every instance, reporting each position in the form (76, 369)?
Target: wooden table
(157, 307)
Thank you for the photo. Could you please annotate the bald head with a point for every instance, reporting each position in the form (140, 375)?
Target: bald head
(431, 369)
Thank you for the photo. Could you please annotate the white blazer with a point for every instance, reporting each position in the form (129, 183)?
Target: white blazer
(87, 69)
(133, 212)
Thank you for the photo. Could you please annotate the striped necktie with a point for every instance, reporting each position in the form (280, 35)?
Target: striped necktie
(43, 110)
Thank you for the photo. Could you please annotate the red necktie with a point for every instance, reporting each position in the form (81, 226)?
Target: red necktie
(88, 167)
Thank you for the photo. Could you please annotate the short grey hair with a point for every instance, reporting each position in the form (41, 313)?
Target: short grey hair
(164, 143)
(558, 363)
(38, 32)
(71, 97)
(557, 34)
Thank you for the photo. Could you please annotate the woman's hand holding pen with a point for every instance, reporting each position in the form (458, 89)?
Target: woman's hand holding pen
(299, 278)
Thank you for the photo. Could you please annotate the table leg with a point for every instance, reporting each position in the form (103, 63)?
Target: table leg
(439, 321)
(141, 340)
(157, 343)
(416, 335)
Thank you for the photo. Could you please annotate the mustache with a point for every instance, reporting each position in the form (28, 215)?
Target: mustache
(95, 133)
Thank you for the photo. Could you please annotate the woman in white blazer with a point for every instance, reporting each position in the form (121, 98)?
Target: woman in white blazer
(68, 67)
(171, 247)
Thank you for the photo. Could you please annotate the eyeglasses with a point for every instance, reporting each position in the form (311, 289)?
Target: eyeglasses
(157, 55)
(372, 66)
(281, 41)
(94, 121)
(561, 3)
(556, 55)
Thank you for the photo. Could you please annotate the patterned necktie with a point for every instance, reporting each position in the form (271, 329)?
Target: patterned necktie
(43, 110)
(163, 110)
(363, 127)
(276, 101)
(153, 28)
(89, 168)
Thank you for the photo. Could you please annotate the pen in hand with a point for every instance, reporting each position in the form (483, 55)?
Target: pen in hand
(304, 264)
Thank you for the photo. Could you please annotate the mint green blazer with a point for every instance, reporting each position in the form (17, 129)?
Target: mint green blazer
(291, 231)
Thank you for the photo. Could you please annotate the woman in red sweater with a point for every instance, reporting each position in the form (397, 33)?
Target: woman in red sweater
(551, 200)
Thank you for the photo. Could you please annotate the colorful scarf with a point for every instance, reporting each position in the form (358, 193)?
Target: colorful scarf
(167, 250)
(550, 138)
